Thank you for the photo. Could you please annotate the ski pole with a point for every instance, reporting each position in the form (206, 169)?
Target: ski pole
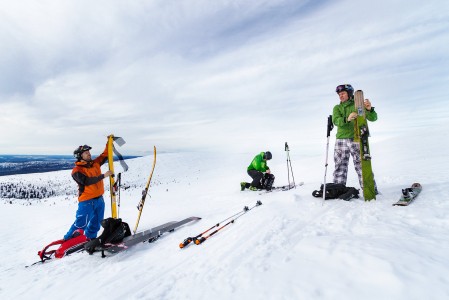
(202, 239)
(330, 126)
(191, 239)
(287, 149)
(288, 170)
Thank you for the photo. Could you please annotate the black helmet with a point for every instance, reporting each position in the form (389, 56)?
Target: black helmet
(345, 87)
(78, 151)
(267, 155)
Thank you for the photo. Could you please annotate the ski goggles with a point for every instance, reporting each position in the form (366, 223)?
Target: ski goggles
(81, 149)
(344, 87)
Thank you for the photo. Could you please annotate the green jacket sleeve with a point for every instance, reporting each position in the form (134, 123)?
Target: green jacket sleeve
(371, 115)
(338, 118)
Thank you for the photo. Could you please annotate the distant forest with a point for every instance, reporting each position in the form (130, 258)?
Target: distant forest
(26, 164)
(36, 187)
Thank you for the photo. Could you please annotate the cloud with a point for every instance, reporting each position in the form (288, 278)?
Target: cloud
(227, 75)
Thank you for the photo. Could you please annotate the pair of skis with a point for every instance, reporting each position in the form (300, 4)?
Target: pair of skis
(147, 235)
(361, 134)
(284, 188)
(203, 236)
(113, 184)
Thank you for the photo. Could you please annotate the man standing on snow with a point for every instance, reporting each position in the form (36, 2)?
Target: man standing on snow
(343, 117)
(87, 174)
(256, 169)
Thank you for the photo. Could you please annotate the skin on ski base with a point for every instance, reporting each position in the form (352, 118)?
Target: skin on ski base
(146, 235)
(369, 192)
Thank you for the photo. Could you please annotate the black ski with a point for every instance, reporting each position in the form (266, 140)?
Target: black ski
(149, 235)
(281, 188)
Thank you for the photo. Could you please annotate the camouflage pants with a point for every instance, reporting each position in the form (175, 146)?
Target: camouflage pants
(343, 149)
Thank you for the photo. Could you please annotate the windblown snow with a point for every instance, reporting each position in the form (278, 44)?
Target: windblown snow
(294, 246)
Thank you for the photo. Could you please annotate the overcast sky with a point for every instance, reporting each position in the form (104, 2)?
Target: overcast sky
(237, 76)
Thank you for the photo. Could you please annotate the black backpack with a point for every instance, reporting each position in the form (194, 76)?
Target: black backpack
(337, 191)
(115, 230)
(267, 181)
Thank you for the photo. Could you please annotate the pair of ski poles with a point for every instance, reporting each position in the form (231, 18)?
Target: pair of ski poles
(289, 167)
(201, 238)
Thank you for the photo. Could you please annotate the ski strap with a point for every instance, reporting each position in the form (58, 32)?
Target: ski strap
(120, 159)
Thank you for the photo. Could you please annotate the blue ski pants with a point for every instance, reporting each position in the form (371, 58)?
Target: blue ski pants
(89, 215)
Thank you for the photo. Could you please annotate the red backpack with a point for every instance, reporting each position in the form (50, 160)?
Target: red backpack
(74, 244)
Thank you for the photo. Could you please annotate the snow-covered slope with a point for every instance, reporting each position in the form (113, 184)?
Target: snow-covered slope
(294, 246)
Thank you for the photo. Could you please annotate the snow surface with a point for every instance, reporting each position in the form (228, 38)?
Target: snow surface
(294, 246)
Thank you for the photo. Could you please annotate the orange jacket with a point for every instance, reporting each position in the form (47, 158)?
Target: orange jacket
(89, 178)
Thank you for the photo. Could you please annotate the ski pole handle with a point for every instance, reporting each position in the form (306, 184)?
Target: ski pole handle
(186, 242)
(199, 240)
(330, 125)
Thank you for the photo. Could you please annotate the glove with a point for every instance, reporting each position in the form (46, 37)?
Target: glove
(352, 116)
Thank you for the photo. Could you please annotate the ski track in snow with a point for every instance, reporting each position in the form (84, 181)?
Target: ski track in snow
(293, 246)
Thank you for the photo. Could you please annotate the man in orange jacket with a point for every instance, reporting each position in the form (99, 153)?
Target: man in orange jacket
(88, 176)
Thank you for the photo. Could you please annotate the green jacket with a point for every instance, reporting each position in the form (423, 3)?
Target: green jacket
(258, 163)
(340, 118)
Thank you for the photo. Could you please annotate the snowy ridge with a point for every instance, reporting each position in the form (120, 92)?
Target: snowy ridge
(291, 247)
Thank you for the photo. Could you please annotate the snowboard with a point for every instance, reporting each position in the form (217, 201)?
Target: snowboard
(409, 194)
(149, 235)
(361, 134)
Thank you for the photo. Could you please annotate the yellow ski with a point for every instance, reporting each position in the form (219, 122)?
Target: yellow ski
(145, 192)
(112, 177)
(112, 183)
